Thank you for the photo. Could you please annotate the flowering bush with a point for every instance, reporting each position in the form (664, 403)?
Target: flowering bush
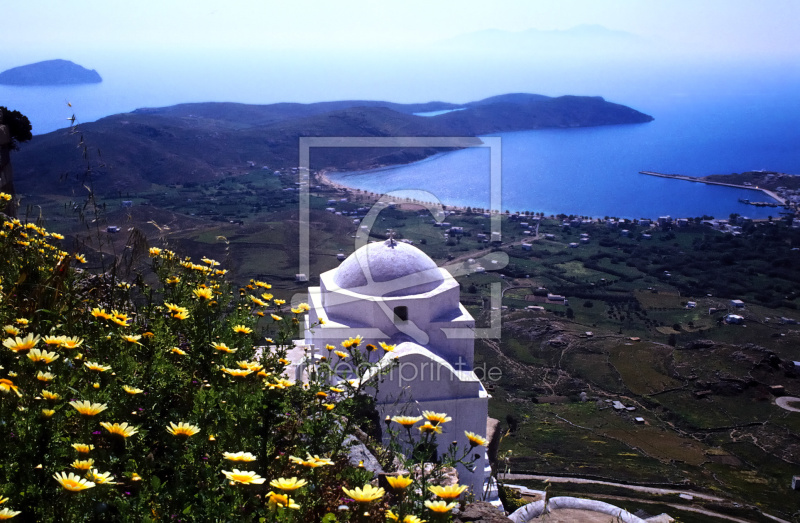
(159, 399)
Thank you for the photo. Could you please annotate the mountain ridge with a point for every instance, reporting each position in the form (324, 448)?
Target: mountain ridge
(204, 141)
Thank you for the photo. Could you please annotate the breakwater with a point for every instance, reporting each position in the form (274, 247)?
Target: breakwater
(767, 192)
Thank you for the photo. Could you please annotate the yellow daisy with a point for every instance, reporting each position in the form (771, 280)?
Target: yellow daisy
(352, 342)
(38, 355)
(52, 396)
(203, 293)
(7, 513)
(250, 365)
(71, 342)
(54, 341)
(475, 440)
(245, 477)
(428, 428)
(101, 478)
(223, 347)
(88, 408)
(238, 373)
(44, 376)
(365, 494)
(131, 338)
(439, 506)
(12, 330)
(19, 344)
(131, 390)
(448, 493)
(120, 429)
(399, 483)
(182, 429)
(83, 464)
(407, 421)
(82, 448)
(238, 456)
(97, 312)
(91, 365)
(178, 351)
(281, 500)
(311, 461)
(258, 302)
(288, 484)
(436, 417)
(72, 482)
(241, 329)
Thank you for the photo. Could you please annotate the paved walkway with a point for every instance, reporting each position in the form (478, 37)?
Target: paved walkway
(649, 490)
(784, 403)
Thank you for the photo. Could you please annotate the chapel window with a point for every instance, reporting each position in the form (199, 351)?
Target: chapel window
(400, 314)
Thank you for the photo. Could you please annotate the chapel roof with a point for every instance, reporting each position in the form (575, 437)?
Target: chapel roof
(389, 268)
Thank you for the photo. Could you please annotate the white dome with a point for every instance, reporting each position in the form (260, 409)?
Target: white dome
(388, 269)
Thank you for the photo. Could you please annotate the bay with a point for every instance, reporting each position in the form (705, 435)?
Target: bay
(595, 171)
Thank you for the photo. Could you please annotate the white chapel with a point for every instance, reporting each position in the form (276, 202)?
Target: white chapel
(394, 293)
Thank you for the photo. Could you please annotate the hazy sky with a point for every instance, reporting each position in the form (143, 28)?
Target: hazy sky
(48, 28)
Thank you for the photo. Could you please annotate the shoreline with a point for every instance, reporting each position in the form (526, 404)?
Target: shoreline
(323, 178)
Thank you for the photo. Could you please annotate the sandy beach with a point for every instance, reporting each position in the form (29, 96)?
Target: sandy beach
(353, 194)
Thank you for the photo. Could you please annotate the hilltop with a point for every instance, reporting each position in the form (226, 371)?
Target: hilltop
(203, 141)
(49, 72)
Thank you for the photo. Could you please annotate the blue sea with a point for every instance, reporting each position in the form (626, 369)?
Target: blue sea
(709, 119)
(595, 171)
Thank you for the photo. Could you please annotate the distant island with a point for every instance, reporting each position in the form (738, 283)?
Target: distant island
(49, 72)
(199, 142)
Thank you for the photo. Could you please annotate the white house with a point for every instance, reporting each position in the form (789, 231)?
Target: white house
(392, 292)
(734, 319)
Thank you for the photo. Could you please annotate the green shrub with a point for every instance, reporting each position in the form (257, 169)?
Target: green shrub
(164, 398)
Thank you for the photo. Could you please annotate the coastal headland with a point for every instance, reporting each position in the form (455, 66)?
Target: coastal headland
(207, 141)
